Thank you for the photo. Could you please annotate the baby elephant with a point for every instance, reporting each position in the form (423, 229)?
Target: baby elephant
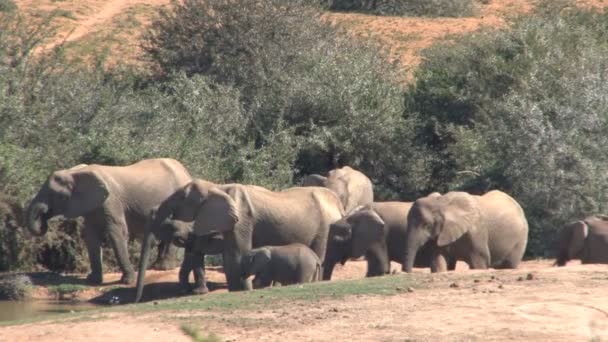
(289, 264)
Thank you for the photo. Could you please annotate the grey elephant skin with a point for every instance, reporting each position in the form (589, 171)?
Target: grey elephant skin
(250, 216)
(586, 240)
(114, 200)
(352, 187)
(287, 265)
(377, 231)
(484, 231)
(195, 248)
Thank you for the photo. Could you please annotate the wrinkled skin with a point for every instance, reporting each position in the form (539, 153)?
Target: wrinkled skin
(586, 240)
(376, 231)
(352, 187)
(287, 265)
(484, 231)
(114, 200)
(250, 216)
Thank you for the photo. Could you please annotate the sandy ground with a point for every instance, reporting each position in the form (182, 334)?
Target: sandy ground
(536, 302)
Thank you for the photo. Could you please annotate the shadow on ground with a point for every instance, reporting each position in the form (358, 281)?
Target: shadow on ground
(154, 291)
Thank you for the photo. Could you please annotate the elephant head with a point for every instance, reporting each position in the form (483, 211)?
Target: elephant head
(439, 218)
(571, 241)
(352, 236)
(255, 261)
(334, 182)
(211, 209)
(71, 193)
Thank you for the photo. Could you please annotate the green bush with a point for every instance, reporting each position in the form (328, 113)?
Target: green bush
(420, 8)
(307, 87)
(523, 110)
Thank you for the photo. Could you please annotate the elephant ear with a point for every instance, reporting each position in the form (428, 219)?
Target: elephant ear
(218, 213)
(578, 233)
(368, 228)
(314, 180)
(260, 259)
(460, 215)
(88, 192)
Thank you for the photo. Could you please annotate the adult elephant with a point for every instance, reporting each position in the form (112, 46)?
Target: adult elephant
(376, 231)
(484, 231)
(586, 240)
(114, 200)
(352, 186)
(250, 216)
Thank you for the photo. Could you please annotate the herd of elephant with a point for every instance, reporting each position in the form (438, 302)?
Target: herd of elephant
(290, 236)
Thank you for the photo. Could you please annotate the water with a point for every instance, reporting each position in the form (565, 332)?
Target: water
(13, 310)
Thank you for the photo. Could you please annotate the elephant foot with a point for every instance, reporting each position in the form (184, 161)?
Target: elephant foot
(127, 278)
(94, 279)
(164, 265)
(199, 290)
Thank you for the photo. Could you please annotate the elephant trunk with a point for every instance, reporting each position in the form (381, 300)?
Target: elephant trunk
(415, 240)
(143, 263)
(38, 214)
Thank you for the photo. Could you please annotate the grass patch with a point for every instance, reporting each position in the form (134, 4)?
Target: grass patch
(389, 285)
(258, 299)
(7, 6)
(63, 14)
(64, 291)
(196, 335)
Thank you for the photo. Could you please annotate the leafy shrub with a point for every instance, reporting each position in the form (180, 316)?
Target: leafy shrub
(305, 85)
(422, 8)
(523, 110)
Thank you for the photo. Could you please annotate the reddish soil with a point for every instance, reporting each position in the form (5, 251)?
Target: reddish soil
(535, 302)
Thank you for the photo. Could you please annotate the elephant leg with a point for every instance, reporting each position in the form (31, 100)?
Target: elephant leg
(119, 239)
(452, 264)
(232, 269)
(198, 268)
(167, 256)
(438, 263)
(91, 235)
(328, 269)
(184, 273)
(477, 261)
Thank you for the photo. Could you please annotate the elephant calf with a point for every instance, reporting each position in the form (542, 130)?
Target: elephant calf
(289, 264)
(376, 231)
(586, 240)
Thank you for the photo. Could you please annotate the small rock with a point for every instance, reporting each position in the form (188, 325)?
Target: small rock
(476, 281)
(492, 277)
(500, 286)
(334, 310)
(520, 278)
(155, 329)
(410, 289)
(72, 311)
(491, 291)
(399, 289)
(155, 303)
(530, 276)
(455, 285)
